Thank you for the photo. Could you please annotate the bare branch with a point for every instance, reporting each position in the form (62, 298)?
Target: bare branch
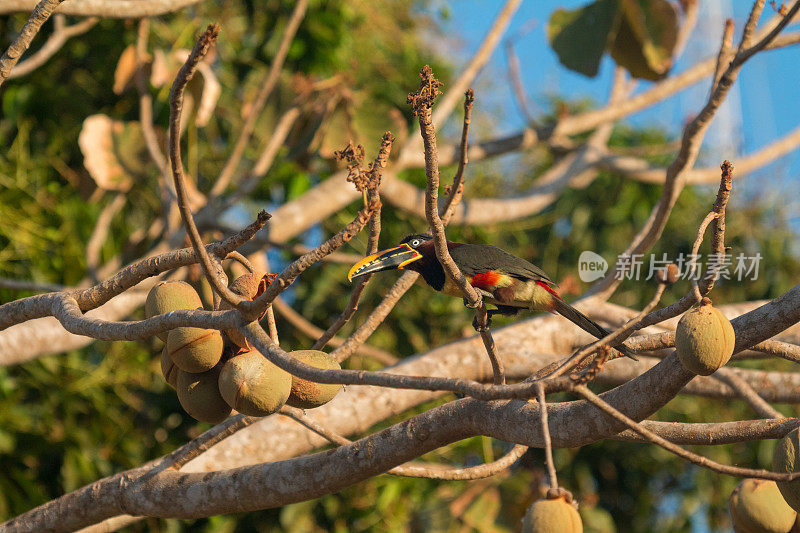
(40, 14)
(104, 8)
(271, 79)
(310, 330)
(457, 188)
(100, 232)
(747, 393)
(677, 450)
(373, 175)
(375, 319)
(693, 135)
(416, 469)
(548, 445)
(185, 74)
(54, 43)
(130, 276)
(422, 102)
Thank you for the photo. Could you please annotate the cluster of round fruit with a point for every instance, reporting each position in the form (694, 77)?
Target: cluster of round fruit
(217, 372)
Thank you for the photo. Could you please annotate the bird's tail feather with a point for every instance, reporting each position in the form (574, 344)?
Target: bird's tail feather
(587, 324)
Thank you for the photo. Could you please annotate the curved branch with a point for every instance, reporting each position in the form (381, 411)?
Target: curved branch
(39, 16)
(54, 43)
(41, 305)
(104, 8)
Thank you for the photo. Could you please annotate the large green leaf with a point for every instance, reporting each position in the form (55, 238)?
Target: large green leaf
(646, 38)
(580, 36)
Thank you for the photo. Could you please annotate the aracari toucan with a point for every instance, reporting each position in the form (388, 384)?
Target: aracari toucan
(508, 282)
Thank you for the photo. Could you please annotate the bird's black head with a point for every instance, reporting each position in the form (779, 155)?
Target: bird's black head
(416, 240)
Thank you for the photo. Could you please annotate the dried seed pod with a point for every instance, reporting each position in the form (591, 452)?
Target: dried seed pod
(704, 339)
(785, 460)
(170, 296)
(309, 394)
(249, 286)
(670, 274)
(254, 386)
(168, 368)
(551, 515)
(199, 396)
(756, 506)
(194, 349)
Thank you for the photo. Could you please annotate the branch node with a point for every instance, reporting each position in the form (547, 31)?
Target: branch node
(427, 93)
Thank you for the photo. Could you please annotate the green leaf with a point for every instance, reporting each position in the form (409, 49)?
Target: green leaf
(580, 37)
(647, 36)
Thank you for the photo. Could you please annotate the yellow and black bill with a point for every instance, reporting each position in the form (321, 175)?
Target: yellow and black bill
(396, 257)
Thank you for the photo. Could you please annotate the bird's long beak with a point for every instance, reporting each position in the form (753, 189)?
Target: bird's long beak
(396, 257)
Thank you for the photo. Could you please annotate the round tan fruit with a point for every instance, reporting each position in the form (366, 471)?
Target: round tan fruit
(199, 396)
(249, 286)
(550, 516)
(194, 349)
(785, 460)
(170, 296)
(756, 506)
(309, 394)
(168, 368)
(704, 339)
(254, 386)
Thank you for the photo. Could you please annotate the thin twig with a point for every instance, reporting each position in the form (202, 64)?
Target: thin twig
(694, 458)
(41, 305)
(271, 79)
(373, 175)
(416, 469)
(724, 55)
(242, 260)
(272, 326)
(748, 393)
(54, 43)
(185, 74)
(718, 226)
(574, 362)
(750, 25)
(421, 103)
(308, 329)
(297, 267)
(40, 14)
(515, 77)
(169, 213)
(267, 157)
(377, 316)
(178, 458)
(548, 445)
(457, 187)
(100, 232)
(22, 285)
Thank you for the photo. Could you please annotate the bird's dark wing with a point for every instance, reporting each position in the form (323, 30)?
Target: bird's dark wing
(478, 258)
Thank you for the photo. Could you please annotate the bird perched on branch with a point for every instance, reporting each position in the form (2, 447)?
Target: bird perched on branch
(503, 279)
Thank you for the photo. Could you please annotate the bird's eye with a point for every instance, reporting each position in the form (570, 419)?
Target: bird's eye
(415, 243)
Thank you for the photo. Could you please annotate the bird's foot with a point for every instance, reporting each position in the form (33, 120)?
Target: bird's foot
(480, 328)
(470, 305)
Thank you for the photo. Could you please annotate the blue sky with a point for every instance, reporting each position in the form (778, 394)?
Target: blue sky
(762, 107)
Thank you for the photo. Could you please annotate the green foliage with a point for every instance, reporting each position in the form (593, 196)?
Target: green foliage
(639, 34)
(580, 36)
